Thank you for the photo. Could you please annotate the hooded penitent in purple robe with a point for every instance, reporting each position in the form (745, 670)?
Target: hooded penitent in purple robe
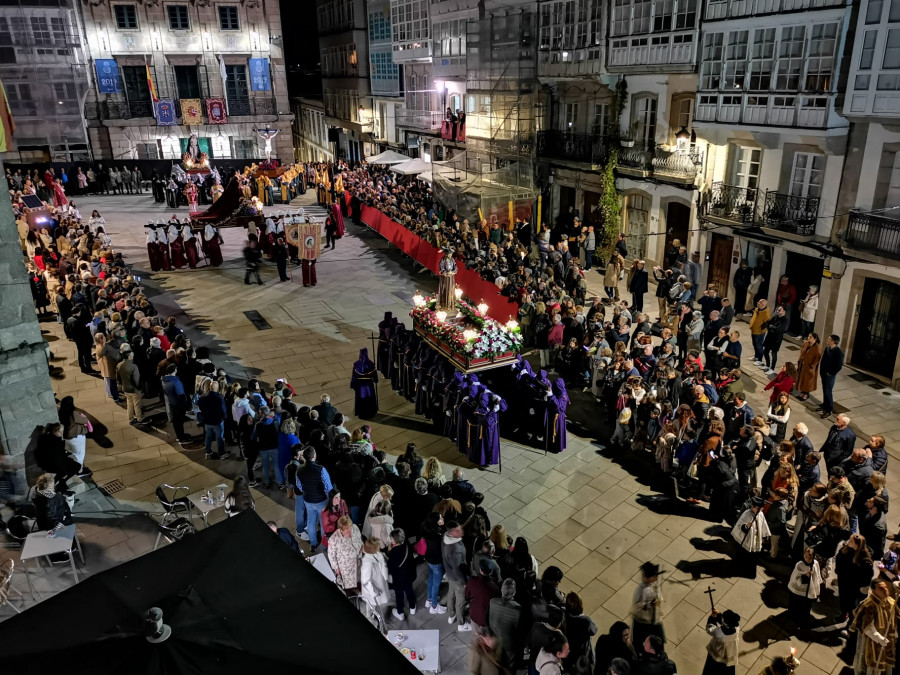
(486, 451)
(555, 438)
(364, 381)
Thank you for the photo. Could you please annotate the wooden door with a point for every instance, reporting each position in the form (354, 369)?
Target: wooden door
(720, 263)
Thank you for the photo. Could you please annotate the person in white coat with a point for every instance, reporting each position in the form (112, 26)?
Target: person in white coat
(805, 584)
(385, 493)
(750, 531)
(380, 523)
(374, 577)
(808, 308)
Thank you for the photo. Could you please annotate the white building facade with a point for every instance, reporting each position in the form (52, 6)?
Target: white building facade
(187, 52)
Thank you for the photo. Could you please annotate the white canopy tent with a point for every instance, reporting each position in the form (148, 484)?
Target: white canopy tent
(388, 157)
(412, 167)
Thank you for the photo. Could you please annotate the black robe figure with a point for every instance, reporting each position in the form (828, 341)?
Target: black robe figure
(451, 395)
(383, 345)
(364, 382)
(423, 381)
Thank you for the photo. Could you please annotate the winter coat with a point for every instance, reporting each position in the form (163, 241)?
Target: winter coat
(374, 579)
(343, 555)
(615, 265)
(808, 367)
(107, 360)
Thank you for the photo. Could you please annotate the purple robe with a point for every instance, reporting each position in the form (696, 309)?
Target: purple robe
(487, 451)
(364, 382)
(555, 438)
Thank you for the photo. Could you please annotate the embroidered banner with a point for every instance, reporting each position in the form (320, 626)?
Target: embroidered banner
(310, 237)
(215, 111)
(165, 112)
(260, 79)
(191, 112)
(108, 76)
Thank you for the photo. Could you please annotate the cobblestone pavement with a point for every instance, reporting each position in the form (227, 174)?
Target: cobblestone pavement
(595, 517)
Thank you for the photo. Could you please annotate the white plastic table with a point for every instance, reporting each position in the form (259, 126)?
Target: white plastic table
(429, 640)
(205, 507)
(39, 544)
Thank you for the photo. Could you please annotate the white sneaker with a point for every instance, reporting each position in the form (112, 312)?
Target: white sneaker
(398, 615)
(769, 371)
(412, 611)
(428, 604)
(303, 535)
(757, 362)
(451, 618)
(438, 609)
(463, 627)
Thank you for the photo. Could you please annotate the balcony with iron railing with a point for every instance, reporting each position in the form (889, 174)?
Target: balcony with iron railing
(874, 233)
(590, 148)
(790, 213)
(660, 162)
(665, 49)
(427, 120)
(779, 110)
(732, 9)
(730, 204)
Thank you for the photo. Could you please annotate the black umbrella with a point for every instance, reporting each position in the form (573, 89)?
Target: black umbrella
(236, 598)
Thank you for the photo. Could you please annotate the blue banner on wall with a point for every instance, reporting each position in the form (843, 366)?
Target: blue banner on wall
(165, 112)
(108, 76)
(260, 80)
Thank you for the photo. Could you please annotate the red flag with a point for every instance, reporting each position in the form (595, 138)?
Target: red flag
(150, 85)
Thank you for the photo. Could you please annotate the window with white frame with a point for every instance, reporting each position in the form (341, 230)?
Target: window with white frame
(600, 124)
(570, 117)
(640, 16)
(682, 116)
(621, 17)
(685, 14)
(866, 58)
(874, 11)
(335, 14)
(762, 59)
(745, 170)
(383, 67)
(790, 58)
(735, 60)
(806, 174)
(449, 38)
(662, 15)
(711, 68)
(409, 20)
(379, 27)
(644, 120)
(820, 62)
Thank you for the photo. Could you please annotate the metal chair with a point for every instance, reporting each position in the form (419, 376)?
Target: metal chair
(6, 574)
(175, 504)
(173, 528)
(17, 529)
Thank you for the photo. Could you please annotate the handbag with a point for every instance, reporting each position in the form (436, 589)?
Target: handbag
(420, 546)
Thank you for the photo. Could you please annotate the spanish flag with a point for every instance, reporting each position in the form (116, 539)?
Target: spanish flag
(150, 85)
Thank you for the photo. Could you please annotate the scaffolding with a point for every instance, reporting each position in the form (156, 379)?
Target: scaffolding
(495, 174)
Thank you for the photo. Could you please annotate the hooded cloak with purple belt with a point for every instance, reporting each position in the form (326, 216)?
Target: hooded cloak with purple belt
(555, 438)
(364, 382)
(486, 451)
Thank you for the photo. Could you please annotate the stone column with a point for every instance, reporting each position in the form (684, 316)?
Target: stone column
(26, 397)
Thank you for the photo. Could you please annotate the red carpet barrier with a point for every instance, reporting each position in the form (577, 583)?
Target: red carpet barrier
(474, 287)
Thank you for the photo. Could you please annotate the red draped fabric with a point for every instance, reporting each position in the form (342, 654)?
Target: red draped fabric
(474, 287)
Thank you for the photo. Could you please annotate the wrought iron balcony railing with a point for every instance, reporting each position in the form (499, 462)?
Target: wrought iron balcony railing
(874, 233)
(790, 213)
(575, 147)
(731, 202)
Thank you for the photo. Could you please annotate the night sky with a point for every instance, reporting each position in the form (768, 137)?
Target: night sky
(301, 47)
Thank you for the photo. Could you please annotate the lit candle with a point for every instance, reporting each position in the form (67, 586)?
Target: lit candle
(457, 292)
(441, 315)
(482, 308)
(469, 334)
(418, 299)
(512, 325)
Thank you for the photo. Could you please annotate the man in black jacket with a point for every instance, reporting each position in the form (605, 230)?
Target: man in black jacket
(839, 444)
(830, 365)
(251, 262)
(741, 284)
(638, 286)
(212, 412)
(777, 326)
